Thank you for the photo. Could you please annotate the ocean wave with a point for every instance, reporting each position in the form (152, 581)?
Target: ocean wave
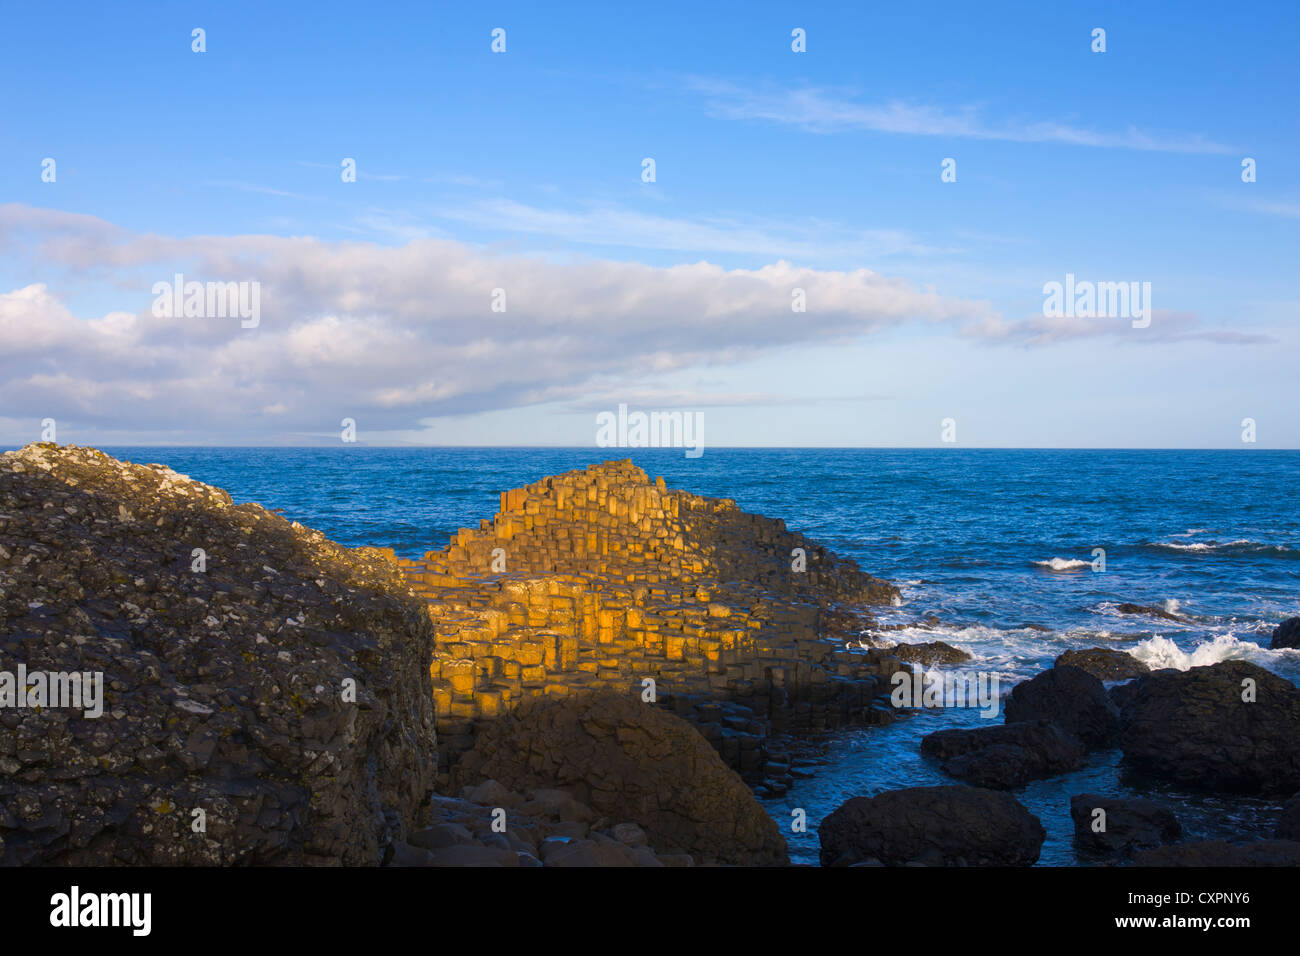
(1238, 546)
(1161, 652)
(1064, 564)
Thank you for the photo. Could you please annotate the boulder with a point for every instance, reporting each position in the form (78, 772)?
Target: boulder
(940, 826)
(1002, 756)
(1221, 853)
(1071, 698)
(251, 668)
(1194, 727)
(1123, 827)
(629, 761)
(1286, 634)
(929, 654)
(1103, 663)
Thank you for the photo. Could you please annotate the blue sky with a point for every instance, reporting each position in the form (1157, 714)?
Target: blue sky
(774, 169)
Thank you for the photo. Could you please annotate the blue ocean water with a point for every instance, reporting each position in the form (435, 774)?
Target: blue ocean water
(997, 544)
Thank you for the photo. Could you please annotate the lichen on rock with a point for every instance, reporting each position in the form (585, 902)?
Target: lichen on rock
(254, 671)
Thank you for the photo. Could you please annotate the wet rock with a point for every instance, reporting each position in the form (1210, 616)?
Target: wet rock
(1221, 853)
(1288, 825)
(630, 761)
(1105, 664)
(441, 836)
(405, 854)
(930, 654)
(489, 793)
(1150, 610)
(1069, 697)
(1002, 756)
(592, 853)
(474, 855)
(1286, 634)
(940, 826)
(1122, 827)
(1194, 727)
(629, 833)
(252, 669)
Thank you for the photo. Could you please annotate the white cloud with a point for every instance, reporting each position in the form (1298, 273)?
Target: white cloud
(390, 336)
(824, 111)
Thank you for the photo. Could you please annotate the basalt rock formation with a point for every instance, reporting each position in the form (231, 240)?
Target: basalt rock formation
(1103, 663)
(601, 579)
(1232, 726)
(1002, 756)
(1286, 634)
(1221, 853)
(930, 654)
(629, 760)
(1069, 697)
(932, 826)
(252, 670)
(1117, 828)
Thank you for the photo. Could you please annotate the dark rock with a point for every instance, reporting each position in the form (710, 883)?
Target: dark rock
(1005, 755)
(943, 826)
(1194, 728)
(1286, 634)
(929, 654)
(405, 854)
(474, 855)
(1288, 826)
(228, 676)
(1129, 824)
(1071, 698)
(1220, 853)
(1104, 663)
(629, 761)
(1151, 610)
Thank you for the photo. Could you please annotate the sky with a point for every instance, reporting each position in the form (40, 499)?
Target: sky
(503, 268)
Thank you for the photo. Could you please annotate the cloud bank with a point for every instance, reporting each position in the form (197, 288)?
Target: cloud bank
(390, 336)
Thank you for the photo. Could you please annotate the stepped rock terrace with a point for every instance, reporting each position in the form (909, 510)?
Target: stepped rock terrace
(600, 579)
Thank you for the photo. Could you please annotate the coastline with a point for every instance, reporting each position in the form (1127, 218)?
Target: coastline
(608, 580)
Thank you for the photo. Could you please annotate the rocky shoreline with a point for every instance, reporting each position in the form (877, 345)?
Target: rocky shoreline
(603, 674)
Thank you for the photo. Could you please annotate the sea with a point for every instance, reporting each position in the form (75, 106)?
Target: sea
(1000, 546)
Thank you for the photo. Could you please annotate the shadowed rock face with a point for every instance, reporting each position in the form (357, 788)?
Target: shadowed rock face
(1194, 727)
(1286, 634)
(1104, 663)
(1221, 853)
(600, 579)
(223, 686)
(937, 826)
(1069, 697)
(630, 761)
(1112, 827)
(1288, 825)
(1002, 756)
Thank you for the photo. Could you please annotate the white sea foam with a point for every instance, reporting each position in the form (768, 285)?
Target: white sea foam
(1159, 652)
(1064, 564)
(1212, 546)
